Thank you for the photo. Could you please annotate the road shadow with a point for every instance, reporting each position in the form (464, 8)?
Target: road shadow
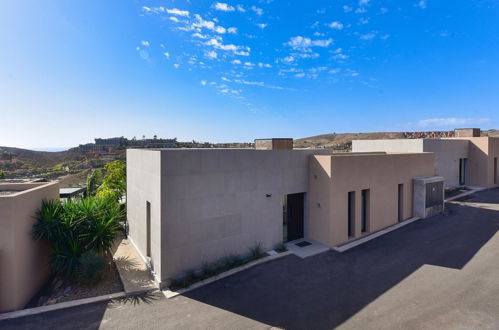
(323, 291)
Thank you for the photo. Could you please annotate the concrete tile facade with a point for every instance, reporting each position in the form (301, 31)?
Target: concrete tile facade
(207, 204)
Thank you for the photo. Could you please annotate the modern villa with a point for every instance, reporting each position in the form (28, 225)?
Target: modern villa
(467, 159)
(188, 207)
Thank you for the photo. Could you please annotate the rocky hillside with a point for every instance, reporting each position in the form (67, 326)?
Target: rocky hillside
(343, 140)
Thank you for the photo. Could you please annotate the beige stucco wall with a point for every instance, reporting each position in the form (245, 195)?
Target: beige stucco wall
(447, 153)
(482, 151)
(332, 177)
(213, 202)
(23, 261)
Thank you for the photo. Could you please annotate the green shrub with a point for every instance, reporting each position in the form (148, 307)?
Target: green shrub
(92, 265)
(76, 227)
(256, 252)
(281, 248)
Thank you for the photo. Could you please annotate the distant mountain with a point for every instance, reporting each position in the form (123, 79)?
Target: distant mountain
(343, 140)
(38, 158)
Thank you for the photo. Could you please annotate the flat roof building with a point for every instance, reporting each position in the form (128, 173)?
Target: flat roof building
(462, 161)
(189, 207)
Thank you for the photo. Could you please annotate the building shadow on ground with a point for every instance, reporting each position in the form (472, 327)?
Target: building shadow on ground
(323, 291)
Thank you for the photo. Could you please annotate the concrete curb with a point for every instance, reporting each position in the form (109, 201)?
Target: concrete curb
(69, 304)
(63, 305)
(171, 294)
(450, 199)
(365, 239)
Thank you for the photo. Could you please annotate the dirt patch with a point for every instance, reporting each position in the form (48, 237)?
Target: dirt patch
(63, 290)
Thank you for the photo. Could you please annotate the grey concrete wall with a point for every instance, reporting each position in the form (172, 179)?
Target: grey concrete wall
(144, 185)
(24, 264)
(447, 155)
(213, 202)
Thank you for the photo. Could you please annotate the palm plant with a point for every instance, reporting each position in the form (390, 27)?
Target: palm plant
(76, 227)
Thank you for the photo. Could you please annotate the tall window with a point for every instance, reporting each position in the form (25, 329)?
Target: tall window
(495, 170)
(401, 202)
(365, 210)
(148, 228)
(351, 214)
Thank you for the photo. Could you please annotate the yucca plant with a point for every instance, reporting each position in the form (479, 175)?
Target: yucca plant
(75, 228)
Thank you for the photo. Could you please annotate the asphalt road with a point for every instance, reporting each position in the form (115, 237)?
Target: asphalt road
(437, 273)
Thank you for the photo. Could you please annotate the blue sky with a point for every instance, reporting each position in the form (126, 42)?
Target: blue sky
(238, 70)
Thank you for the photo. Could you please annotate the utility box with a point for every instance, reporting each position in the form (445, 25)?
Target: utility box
(428, 196)
(274, 144)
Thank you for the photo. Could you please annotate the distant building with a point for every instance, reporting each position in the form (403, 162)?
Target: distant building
(121, 143)
(465, 160)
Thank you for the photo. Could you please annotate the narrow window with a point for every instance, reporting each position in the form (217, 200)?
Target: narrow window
(351, 214)
(401, 202)
(495, 170)
(462, 171)
(148, 228)
(365, 210)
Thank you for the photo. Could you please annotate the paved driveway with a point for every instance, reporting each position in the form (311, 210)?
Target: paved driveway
(438, 273)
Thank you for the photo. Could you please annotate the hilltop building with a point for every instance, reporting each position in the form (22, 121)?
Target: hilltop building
(188, 207)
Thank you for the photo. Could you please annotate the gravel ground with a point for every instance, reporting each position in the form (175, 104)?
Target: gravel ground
(61, 291)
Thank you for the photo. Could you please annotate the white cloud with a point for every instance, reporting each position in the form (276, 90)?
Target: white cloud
(232, 30)
(145, 43)
(177, 12)
(385, 36)
(166, 54)
(249, 64)
(258, 11)
(209, 25)
(319, 34)
(203, 82)
(336, 25)
(421, 4)
(211, 54)
(241, 8)
(261, 84)
(364, 2)
(223, 7)
(176, 65)
(347, 9)
(368, 36)
(300, 42)
(200, 36)
(288, 59)
(451, 122)
(334, 71)
(360, 10)
(236, 62)
(238, 50)
(262, 25)
(264, 65)
(363, 21)
(174, 19)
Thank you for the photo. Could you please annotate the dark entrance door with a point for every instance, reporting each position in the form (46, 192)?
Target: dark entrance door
(294, 216)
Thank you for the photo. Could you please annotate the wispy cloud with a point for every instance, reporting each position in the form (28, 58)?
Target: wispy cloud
(421, 4)
(145, 43)
(262, 25)
(300, 42)
(336, 25)
(258, 11)
(451, 122)
(237, 50)
(223, 6)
